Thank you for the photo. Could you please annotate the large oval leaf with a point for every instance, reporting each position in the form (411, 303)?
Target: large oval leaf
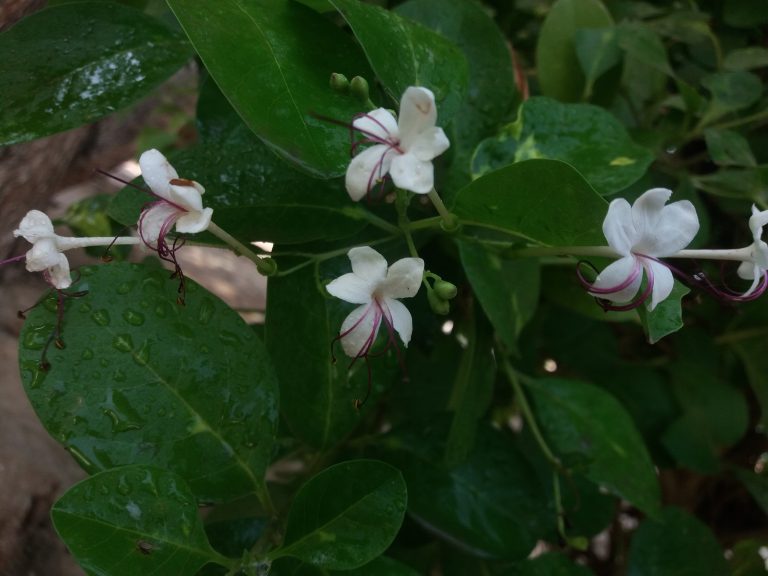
(133, 520)
(404, 53)
(72, 64)
(586, 424)
(549, 564)
(142, 380)
(543, 201)
(587, 137)
(345, 516)
(272, 59)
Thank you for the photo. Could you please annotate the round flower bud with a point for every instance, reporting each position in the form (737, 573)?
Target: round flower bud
(266, 266)
(445, 290)
(438, 305)
(359, 87)
(339, 82)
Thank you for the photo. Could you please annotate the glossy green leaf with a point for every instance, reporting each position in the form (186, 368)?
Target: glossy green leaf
(345, 516)
(756, 484)
(381, 566)
(493, 97)
(272, 59)
(587, 137)
(748, 337)
(491, 505)
(731, 92)
(72, 64)
(133, 520)
(254, 194)
(598, 51)
(143, 380)
(746, 58)
(549, 564)
(586, 422)
(643, 44)
(403, 53)
(508, 290)
(729, 148)
(675, 545)
(544, 201)
(558, 68)
(302, 322)
(667, 317)
(746, 183)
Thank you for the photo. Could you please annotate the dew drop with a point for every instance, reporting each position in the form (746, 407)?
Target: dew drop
(82, 460)
(38, 376)
(161, 310)
(36, 337)
(124, 288)
(87, 354)
(229, 338)
(101, 317)
(142, 355)
(84, 307)
(134, 318)
(119, 375)
(123, 487)
(123, 343)
(103, 489)
(205, 313)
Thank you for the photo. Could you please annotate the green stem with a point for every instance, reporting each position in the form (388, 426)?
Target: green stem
(425, 223)
(238, 247)
(449, 221)
(379, 222)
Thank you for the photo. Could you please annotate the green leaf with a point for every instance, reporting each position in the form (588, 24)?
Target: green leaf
(508, 290)
(272, 59)
(254, 194)
(587, 137)
(747, 183)
(302, 322)
(675, 545)
(345, 516)
(549, 564)
(742, 14)
(748, 337)
(142, 380)
(584, 421)
(667, 317)
(491, 505)
(644, 45)
(133, 520)
(403, 53)
(493, 97)
(729, 148)
(731, 92)
(559, 73)
(756, 485)
(381, 566)
(746, 58)
(598, 51)
(746, 559)
(72, 64)
(544, 201)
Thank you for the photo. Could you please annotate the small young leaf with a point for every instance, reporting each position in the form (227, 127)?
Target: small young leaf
(345, 516)
(667, 317)
(133, 520)
(746, 58)
(587, 422)
(72, 64)
(731, 92)
(598, 51)
(729, 148)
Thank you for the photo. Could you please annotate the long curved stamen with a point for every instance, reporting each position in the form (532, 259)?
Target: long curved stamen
(630, 279)
(370, 135)
(351, 329)
(637, 302)
(13, 259)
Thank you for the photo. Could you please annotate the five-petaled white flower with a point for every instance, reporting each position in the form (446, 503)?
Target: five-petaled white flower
(641, 234)
(179, 203)
(46, 254)
(376, 288)
(755, 268)
(404, 148)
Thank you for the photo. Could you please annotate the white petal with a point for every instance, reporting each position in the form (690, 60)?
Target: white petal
(43, 254)
(747, 270)
(188, 197)
(757, 221)
(368, 264)
(430, 143)
(351, 288)
(157, 172)
(359, 329)
(616, 274)
(410, 173)
(153, 219)
(401, 319)
(618, 227)
(663, 282)
(367, 168)
(378, 125)
(403, 278)
(59, 274)
(417, 114)
(35, 225)
(647, 209)
(193, 222)
(760, 254)
(663, 230)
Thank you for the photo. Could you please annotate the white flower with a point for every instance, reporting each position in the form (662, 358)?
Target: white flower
(376, 289)
(46, 253)
(755, 268)
(180, 202)
(404, 148)
(641, 234)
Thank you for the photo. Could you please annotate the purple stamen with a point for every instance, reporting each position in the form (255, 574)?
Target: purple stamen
(636, 271)
(13, 259)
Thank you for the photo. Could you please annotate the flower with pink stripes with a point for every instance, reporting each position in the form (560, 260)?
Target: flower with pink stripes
(376, 289)
(755, 268)
(403, 148)
(640, 234)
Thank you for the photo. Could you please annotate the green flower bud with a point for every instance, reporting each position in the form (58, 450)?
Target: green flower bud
(359, 87)
(266, 266)
(438, 305)
(445, 290)
(339, 82)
